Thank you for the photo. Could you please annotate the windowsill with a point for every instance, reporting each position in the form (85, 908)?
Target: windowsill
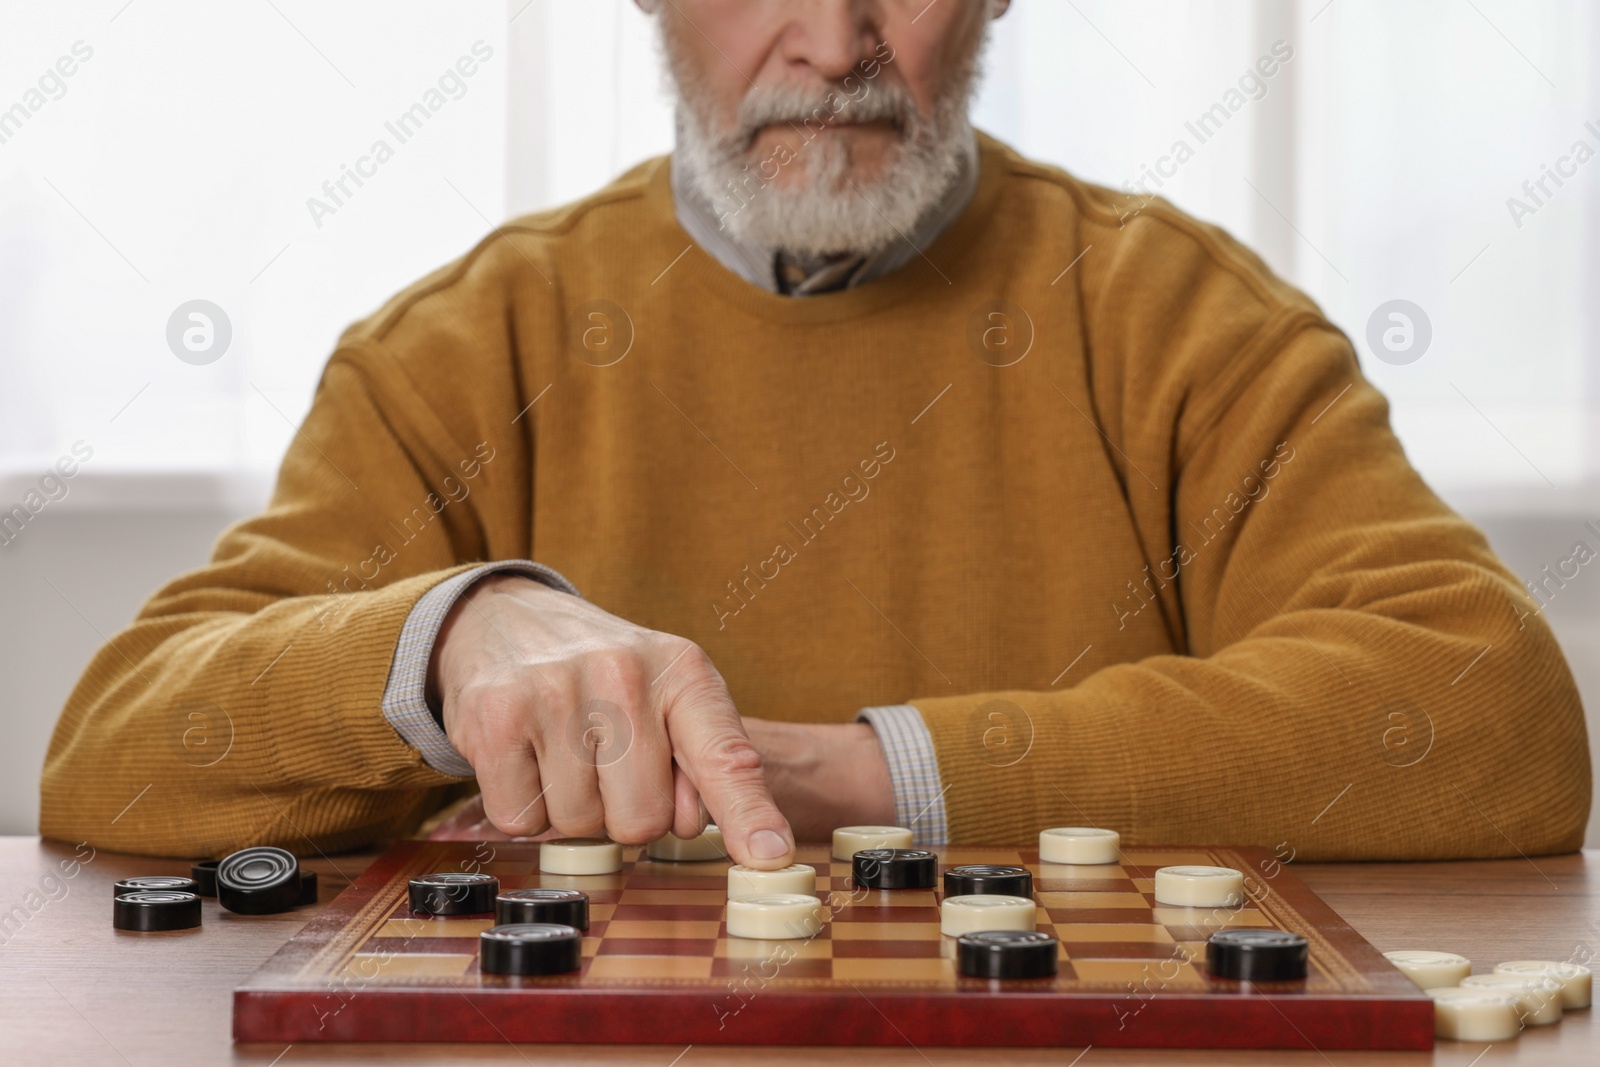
(1579, 502)
(247, 491)
(240, 492)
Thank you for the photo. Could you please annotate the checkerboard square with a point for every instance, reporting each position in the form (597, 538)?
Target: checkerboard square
(920, 949)
(701, 931)
(1145, 861)
(1090, 900)
(897, 970)
(1119, 950)
(681, 868)
(758, 973)
(655, 946)
(1213, 919)
(1100, 915)
(1076, 931)
(584, 883)
(959, 857)
(1083, 885)
(894, 899)
(674, 896)
(884, 916)
(650, 967)
(877, 931)
(626, 912)
(749, 948)
(1148, 975)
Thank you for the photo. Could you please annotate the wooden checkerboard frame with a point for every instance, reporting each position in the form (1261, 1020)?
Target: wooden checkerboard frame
(658, 966)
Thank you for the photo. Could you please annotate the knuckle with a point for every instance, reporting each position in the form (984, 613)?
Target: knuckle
(526, 822)
(679, 656)
(516, 708)
(499, 710)
(579, 823)
(732, 758)
(549, 688)
(639, 828)
(696, 682)
(617, 672)
(733, 763)
(696, 663)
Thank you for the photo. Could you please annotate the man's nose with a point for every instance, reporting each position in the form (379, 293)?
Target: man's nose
(830, 36)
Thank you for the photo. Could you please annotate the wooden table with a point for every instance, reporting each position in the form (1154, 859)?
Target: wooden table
(75, 991)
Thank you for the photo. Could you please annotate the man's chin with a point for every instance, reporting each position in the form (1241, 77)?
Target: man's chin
(850, 183)
(841, 178)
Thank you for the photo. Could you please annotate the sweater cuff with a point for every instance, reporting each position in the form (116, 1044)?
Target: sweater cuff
(405, 697)
(913, 771)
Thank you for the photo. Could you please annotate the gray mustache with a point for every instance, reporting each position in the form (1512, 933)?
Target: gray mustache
(861, 102)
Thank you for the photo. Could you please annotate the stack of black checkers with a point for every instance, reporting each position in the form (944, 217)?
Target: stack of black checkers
(259, 881)
(530, 949)
(1006, 954)
(1256, 955)
(894, 868)
(204, 873)
(561, 907)
(155, 902)
(988, 878)
(454, 893)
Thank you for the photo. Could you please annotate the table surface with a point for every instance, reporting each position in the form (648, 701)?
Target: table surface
(74, 991)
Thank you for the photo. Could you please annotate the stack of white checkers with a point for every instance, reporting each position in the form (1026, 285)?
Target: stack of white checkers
(774, 905)
(1494, 1006)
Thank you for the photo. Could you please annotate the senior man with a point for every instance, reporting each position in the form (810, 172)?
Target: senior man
(904, 480)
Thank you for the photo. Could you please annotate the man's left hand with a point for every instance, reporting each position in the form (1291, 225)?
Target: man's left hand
(824, 775)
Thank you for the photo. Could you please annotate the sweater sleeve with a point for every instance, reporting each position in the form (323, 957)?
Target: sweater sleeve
(1361, 678)
(244, 703)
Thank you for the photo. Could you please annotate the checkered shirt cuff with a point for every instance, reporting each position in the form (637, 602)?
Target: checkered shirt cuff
(913, 771)
(405, 697)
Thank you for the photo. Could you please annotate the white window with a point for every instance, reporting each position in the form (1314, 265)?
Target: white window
(292, 163)
(212, 152)
(1377, 164)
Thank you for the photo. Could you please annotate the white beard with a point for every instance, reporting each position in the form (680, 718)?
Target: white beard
(830, 211)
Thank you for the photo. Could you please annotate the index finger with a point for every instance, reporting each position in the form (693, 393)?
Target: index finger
(710, 745)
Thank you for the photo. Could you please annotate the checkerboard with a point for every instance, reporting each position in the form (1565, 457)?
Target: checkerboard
(659, 966)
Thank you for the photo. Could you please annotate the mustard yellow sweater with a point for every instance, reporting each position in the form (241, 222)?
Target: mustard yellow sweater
(1109, 502)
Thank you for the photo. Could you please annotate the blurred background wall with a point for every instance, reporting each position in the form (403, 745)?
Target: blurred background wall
(1433, 160)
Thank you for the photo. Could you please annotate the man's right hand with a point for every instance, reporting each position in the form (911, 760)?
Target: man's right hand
(576, 720)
